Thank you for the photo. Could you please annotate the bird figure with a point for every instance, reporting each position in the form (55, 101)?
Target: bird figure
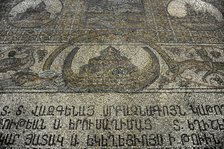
(14, 63)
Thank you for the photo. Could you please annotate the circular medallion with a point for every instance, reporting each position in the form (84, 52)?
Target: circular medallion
(117, 69)
(197, 14)
(110, 67)
(34, 13)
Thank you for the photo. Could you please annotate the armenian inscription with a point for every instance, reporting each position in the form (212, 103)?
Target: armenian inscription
(112, 121)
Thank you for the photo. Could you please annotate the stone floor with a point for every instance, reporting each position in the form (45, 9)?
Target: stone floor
(166, 52)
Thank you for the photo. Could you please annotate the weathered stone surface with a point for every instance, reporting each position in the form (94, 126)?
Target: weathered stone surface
(132, 73)
(159, 120)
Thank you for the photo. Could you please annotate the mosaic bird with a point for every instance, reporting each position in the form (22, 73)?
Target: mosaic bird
(15, 63)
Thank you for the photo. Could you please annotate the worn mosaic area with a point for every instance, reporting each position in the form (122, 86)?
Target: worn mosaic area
(111, 45)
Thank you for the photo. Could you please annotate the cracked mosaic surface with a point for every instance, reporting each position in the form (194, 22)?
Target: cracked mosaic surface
(116, 74)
